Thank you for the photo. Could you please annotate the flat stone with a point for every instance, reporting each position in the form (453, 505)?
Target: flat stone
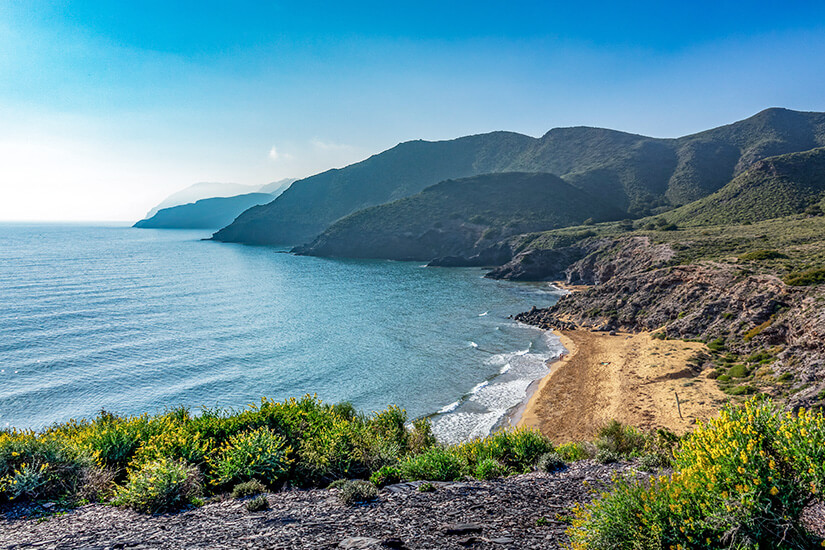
(462, 528)
(502, 540)
(354, 543)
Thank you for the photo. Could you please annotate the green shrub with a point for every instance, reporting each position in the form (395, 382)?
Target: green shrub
(257, 504)
(248, 489)
(740, 390)
(762, 357)
(34, 467)
(356, 490)
(741, 481)
(724, 378)
(758, 255)
(489, 468)
(113, 440)
(386, 475)
(550, 462)
(739, 371)
(421, 437)
(260, 454)
(426, 487)
(806, 278)
(518, 450)
(337, 484)
(619, 439)
(606, 456)
(434, 464)
(650, 462)
(163, 485)
(717, 345)
(571, 452)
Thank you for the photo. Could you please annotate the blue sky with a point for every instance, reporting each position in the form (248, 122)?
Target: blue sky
(107, 107)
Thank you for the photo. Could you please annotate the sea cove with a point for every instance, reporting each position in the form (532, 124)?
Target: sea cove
(110, 317)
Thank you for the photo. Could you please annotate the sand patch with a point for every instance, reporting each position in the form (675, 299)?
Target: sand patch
(632, 378)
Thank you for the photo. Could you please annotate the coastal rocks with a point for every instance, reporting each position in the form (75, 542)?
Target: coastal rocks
(462, 529)
(606, 258)
(526, 512)
(538, 265)
(493, 255)
(637, 290)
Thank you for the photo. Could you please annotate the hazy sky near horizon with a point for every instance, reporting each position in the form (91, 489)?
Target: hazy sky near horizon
(108, 107)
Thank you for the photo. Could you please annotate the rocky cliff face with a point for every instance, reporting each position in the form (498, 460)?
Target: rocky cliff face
(739, 313)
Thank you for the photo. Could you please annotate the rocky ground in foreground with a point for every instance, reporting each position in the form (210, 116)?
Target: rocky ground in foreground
(526, 511)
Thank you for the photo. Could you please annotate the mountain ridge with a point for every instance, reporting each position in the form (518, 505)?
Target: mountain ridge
(640, 174)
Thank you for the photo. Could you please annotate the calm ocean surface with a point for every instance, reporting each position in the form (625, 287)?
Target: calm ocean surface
(135, 320)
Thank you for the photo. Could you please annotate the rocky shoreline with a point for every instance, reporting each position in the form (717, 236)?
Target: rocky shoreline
(636, 287)
(529, 511)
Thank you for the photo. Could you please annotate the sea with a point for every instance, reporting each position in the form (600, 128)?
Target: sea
(107, 317)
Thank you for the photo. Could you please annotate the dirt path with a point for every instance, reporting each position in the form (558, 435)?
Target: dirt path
(632, 378)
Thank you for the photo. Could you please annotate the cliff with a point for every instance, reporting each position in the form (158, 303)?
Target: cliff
(764, 334)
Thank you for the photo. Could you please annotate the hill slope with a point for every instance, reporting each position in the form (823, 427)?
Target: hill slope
(309, 206)
(204, 214)
(771, 188)
(638, 174)
(457, 217)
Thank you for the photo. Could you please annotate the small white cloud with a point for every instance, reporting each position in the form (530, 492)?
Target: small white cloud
(274, 154)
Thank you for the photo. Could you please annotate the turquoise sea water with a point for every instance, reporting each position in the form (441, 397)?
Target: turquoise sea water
(135, 320)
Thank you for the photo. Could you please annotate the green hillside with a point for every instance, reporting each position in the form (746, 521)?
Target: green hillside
(310, 205)
(771, 188)
(204, 214)
(459, 216)
(638, 174)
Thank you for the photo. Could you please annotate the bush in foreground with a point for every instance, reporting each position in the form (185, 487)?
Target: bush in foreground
(248, 489)
(34, 467)
(258, 504)
(149, 459)
(355, 491)
(163, 485)
(258, 454)
(741, 481)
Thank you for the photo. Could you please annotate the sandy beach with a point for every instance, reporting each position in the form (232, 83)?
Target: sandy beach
(632, 378)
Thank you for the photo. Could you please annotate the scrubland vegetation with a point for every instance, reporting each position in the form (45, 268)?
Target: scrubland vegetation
(738, 481)
(175, 459)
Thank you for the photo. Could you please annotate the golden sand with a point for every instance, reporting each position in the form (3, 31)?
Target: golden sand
(633, 378)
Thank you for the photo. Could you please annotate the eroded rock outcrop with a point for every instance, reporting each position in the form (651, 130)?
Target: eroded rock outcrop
(636, 289)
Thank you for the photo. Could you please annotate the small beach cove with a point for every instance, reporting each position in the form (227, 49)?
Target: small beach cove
(632, 378)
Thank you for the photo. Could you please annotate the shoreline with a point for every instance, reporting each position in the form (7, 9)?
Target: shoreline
(524, 414)
(632, 378)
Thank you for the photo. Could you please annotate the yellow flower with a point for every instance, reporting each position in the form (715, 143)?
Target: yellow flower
(774, 490)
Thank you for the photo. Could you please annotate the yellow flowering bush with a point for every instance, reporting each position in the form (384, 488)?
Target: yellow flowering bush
(163, 485)
(740, 481)
(39, 467)
(260, 454)
(151, 462)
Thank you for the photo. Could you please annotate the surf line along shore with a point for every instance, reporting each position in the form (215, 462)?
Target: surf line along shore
(632, 378)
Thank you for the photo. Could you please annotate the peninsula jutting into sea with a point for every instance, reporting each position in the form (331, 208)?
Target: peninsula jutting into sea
(410, 276)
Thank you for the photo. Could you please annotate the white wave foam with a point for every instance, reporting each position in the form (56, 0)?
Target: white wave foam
(479, 386)
(483, 314)
(449, 408)
(473, 344)
(505, 368)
